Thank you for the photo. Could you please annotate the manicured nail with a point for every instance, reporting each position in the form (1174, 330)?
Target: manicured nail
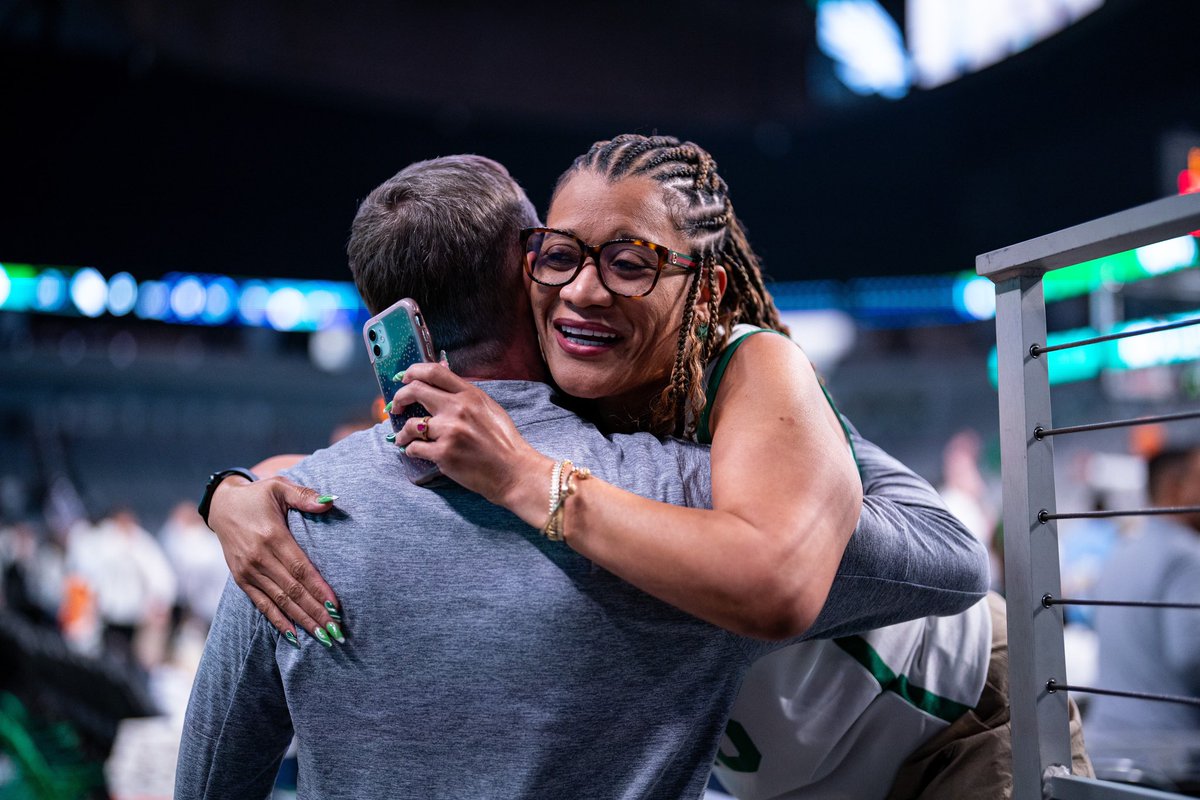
(388, 407)
(445, 359)
(333, 611)
(322, 636)
(399, 376)
(327, 498)
(291, 637)
(391, 437)
(402, 449)
(335, 632)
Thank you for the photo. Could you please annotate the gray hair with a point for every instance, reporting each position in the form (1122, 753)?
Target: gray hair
(445, 233)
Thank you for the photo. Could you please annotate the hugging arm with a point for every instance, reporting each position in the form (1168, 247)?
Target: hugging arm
(250, 520)
(760, 563)
(909, 557)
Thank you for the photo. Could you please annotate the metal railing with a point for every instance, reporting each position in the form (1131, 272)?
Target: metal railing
(1037, 670)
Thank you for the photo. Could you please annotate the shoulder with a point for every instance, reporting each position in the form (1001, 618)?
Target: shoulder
(351, 455)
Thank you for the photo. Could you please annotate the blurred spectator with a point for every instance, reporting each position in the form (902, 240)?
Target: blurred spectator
(132, 581)
(1084, 547)
(1152, 649)
(965, 493)
(195, 554)
(30, 574)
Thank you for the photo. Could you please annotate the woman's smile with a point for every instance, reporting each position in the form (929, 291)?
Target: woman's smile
(598, 344)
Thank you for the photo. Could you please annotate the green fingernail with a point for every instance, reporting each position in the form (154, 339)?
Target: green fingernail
(333, 611)
(327, 498)
(388, 407)
(322, 636)
(291, 637)
(391, 437)
(402, 449)
(335, 632)
(399, 376)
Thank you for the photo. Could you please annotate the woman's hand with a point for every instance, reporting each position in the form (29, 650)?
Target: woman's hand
(250, 520)
(472, 440)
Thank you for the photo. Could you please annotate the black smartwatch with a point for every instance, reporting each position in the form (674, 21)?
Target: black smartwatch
(214, 481)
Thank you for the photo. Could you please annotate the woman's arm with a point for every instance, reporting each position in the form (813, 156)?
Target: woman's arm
(786, 494)
(250, 521)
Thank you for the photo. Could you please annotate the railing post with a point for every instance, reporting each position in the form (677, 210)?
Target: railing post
(1040, 734)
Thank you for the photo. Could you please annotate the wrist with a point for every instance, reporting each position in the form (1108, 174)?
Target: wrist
(215, 483)
(525, 495)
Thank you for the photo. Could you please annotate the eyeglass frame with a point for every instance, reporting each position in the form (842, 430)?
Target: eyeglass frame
(666, 257)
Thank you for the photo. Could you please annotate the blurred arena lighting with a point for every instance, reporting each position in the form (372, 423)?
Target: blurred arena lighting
(252, 305)
(154, 299)
(946, 39)
(1166, 256)
(826, 336)
(306, 306)
(51, 294)
(866, 46)
(122, 294)
(334, 349)
(286, 308)
(1157, 349)
(975, 297)
(89, 292)
(220, 304)
(188, 298)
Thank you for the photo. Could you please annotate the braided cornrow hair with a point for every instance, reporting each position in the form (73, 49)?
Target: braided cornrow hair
(704, 214)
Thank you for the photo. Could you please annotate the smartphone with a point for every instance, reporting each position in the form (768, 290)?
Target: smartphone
(397, 338)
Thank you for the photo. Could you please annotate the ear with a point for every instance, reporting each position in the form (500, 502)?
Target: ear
(722, 280)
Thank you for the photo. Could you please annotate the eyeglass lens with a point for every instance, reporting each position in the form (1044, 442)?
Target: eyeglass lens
(626, 268)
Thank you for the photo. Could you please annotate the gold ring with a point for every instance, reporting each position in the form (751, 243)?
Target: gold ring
(423, 428)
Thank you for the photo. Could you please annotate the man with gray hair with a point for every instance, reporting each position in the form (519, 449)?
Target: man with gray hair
(486, 660)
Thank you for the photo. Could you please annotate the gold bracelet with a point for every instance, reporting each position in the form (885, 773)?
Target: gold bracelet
(553, 528)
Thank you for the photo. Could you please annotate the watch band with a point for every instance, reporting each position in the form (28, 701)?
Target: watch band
(214, 481)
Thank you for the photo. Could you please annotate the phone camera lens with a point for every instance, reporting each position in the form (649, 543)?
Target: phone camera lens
(378, 350)
(372, 335)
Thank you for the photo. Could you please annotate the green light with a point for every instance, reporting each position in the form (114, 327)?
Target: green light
(1084, 363)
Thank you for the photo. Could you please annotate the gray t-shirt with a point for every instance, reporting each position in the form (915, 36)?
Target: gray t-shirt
(483, 660)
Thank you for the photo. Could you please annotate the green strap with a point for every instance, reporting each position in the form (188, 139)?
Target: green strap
(704, 435)
(941, 707)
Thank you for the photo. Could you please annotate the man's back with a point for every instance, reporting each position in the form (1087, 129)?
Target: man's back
(481, 659)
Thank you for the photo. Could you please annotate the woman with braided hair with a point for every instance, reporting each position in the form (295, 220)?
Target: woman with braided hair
(647, 297)
(638, 279)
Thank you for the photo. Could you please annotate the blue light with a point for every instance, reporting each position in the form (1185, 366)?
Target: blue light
(286, 308)
(153, 300)
(221, 302)
(975, 298)
(252, 306)
(89, 292)
(188, 298)
(51, 292)
(5, 285)
(122, 294)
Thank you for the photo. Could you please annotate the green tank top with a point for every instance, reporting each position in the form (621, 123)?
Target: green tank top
(716, 373)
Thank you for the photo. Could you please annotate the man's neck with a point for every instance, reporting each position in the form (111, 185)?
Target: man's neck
(519, 361)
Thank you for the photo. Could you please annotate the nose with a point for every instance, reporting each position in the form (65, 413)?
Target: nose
(586, 289)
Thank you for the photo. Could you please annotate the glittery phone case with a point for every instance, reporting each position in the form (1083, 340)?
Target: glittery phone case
(397, 338)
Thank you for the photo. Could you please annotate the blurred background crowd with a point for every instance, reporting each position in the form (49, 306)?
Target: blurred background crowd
(177, 182)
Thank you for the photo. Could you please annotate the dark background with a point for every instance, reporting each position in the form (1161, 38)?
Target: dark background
(236, 137)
